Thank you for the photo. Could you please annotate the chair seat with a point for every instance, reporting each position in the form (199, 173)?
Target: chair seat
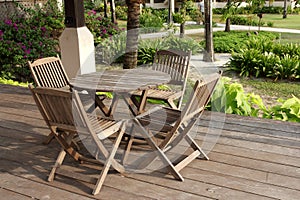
(160, 94)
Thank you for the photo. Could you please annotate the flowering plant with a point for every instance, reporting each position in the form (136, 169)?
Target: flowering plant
(100, 26)
(27, 37)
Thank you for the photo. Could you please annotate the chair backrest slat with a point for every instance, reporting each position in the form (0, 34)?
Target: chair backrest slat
(193, 109)
(55, 105)
(173, 62)
(49, 72)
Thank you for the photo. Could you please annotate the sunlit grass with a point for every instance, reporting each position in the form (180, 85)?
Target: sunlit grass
(278, 89)
(292, 21)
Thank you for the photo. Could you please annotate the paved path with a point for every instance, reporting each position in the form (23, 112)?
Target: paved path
(221, 27)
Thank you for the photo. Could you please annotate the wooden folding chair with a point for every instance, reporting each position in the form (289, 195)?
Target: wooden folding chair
(175, 63)
(49, 72)
(66, 117)
(175, 126)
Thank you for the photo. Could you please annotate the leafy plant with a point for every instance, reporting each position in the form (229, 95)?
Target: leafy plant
(150, 22)
(289, 110)
(100, 26)
(262, 57)
(28, 37)
(230, 97)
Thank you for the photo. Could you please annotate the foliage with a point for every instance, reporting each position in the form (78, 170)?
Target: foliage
(240, 20)
(193, 12)
(28, 37)
(121, 12)
(233, 41)
(150, 22)
(100, 26)
(178, 18)
(12, 82)
(113, 48)
(230, 97)
(288, 110)
(264, 58)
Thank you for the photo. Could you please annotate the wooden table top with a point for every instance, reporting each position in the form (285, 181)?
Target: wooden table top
(126, 80)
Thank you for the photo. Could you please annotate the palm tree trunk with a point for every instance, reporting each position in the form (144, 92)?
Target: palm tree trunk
(133, 23)
(284, 9)
(113, 11)
(208, 54)
(105, 8)
(227, 25)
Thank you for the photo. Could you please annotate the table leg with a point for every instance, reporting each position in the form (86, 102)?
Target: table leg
(136, 107)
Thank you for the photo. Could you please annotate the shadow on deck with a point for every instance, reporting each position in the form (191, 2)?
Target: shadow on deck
(250, 159)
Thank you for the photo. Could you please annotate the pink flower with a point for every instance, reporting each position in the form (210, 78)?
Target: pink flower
(8, 22)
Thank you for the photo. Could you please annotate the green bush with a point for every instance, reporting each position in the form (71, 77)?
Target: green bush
(288, 110)
(233, 41)
(28, 38)
(265, 58)
(113, 48)
(100, 26)
(240, 20)
(150, 22)
(121, 12)
(229, 97)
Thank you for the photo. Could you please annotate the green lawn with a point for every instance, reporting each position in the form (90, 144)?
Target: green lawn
(292, 21)
(278, 89)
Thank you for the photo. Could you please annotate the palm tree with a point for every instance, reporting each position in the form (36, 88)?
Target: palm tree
(284, 9)
(113, 11)
(208, 55)
(133, 23)
(230, 10)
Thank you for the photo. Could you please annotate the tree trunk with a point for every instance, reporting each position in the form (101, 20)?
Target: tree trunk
(227, 25)
(208, 54)
(284, 9)
(105, 8)
(182, 30)
(170, 16)
(133, 23)
(113, 11)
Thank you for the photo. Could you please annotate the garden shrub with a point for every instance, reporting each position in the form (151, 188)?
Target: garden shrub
(114, 47)
(100, 26)
(229, 97)
(266, 58)
(288, 110)
(28, 38)
(121, 12)
(240, 20)
(149, 22)
(233, 41)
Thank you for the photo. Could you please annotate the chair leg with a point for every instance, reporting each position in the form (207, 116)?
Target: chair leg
(172, 104)
(108, 163)
(128, 145)
(60, 158)
(171, 168)
(195, 146)
(49, 138)
(159, 152)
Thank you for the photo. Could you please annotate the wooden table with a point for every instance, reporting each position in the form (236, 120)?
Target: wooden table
(121, 83)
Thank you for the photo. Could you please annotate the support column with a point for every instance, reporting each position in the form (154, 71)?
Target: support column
(76, 41)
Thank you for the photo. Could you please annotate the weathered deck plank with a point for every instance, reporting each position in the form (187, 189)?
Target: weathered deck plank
(252, 159)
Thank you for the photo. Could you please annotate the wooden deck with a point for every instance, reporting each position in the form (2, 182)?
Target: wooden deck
(252, 159)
